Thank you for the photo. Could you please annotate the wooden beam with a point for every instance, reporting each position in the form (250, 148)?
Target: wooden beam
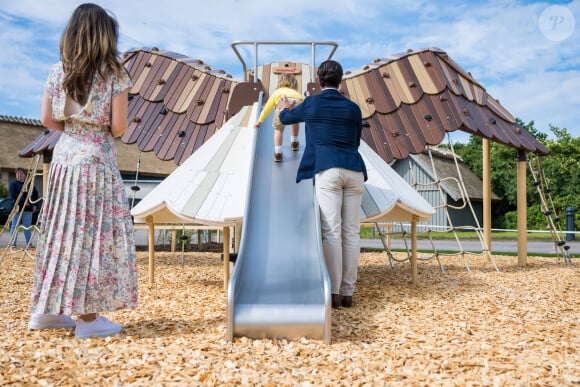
(487, 192)
(151, 250)
(414, 268)
(226, 257)
(522, 210)
(173, 240)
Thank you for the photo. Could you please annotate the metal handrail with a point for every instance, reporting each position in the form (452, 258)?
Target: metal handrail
(278, 43)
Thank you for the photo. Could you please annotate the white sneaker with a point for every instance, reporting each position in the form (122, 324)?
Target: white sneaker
(50, 321)
(99, 327)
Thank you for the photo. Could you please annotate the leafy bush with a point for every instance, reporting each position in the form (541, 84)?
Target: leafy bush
(560, 169)
(3, 190)
(537, 220)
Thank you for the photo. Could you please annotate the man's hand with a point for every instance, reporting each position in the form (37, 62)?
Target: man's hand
(284, 103)
(257, 124)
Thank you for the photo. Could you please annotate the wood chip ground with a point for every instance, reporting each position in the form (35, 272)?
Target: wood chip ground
(516, 327)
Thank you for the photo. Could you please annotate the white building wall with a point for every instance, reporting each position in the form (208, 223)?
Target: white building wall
(423, 183)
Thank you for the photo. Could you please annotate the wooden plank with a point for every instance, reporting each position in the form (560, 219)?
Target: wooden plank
(400, 83)
(357, 94)
(382, 96)
(467, 88)
(142, 72)
(152, 80)
(190, 91)
(164, 82)
(450, 76)
(181, 80)
(214, 95)
(423, 76)
(166, 150)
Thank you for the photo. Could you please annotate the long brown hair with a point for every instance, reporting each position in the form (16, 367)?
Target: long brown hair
(88, 47)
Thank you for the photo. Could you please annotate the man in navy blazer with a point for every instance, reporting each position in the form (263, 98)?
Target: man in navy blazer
(333, 131)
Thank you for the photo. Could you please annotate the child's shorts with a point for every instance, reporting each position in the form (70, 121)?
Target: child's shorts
(276, 122)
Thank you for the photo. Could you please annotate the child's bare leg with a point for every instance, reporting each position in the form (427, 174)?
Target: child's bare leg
(294, 130)
(277, 137)
(294, 137)
(278, 145)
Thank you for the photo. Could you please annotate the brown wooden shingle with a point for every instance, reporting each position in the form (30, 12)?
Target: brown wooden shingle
(409, 100)
(416, 97)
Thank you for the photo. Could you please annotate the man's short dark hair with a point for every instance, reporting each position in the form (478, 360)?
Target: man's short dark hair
(330, 73)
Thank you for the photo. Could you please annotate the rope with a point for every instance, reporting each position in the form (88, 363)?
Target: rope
(27, 189)
(465, 203)
(135, 187)
(553, 223)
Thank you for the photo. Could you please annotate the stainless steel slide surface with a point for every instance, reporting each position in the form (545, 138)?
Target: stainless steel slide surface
(279, 287)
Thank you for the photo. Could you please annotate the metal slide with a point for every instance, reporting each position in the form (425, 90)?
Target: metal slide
(279, 287)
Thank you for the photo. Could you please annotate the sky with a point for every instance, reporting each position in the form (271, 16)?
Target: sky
(524, 53)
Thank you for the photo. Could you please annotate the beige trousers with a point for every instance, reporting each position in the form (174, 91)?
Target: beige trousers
(339, 194)
(276, 123)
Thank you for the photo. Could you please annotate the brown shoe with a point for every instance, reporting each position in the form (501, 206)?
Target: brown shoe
(294, 145)
(335, 300)
(277, 157)
(347, 301)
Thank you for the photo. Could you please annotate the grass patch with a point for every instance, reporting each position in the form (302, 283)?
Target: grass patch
(506, 253)
(371, 233)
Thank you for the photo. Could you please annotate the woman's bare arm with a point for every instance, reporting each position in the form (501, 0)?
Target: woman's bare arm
(119, 110)
(46, 114)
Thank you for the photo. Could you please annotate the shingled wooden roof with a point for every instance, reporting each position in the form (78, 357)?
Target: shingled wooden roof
(31, 143)
(411, 100)
(408, 101)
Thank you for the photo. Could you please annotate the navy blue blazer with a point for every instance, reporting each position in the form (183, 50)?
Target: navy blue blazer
(333, 131)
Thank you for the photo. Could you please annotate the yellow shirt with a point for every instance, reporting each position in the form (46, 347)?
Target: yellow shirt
(275, 97)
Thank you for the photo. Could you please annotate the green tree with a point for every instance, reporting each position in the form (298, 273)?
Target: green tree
(560, 169)
(562, 165)
(503, 173)
(560, 172)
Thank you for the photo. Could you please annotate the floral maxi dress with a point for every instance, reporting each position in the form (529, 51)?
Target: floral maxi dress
(85, 260)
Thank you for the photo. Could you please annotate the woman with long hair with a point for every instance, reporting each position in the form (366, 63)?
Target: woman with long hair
(86, 261)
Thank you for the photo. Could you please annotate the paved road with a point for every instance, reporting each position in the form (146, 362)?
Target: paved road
(546, 247)
(473, 245)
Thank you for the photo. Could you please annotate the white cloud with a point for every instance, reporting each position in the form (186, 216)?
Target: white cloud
(498, 41)
(543, 97)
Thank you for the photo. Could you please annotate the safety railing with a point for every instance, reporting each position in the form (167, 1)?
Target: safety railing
(256, 44)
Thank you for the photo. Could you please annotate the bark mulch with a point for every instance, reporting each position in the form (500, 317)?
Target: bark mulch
(519, 326)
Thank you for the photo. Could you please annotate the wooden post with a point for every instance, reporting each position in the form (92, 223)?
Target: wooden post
(522, 210)
(487, 192)
(151, 225)
(45, 168)
(226, 257)
(199, 240)
(173, 240)
(414, 250)
(46, 160)
(237, 236)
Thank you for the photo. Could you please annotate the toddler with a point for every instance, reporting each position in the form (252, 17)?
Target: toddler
(287, 86)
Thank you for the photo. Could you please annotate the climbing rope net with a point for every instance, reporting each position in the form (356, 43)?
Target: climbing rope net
(18, 213)
(553, 223)
(463, 203)
(539, 181)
